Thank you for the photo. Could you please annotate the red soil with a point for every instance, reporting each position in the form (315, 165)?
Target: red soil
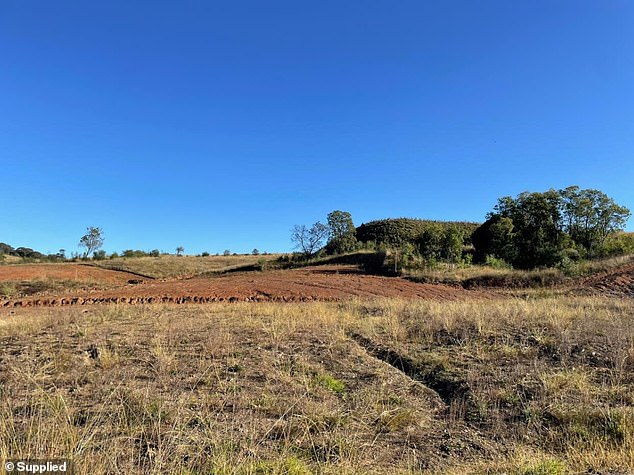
(617, 283)
(321, 283)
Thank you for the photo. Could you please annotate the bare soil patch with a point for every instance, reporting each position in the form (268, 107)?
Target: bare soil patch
(307, 284)
(617, 283)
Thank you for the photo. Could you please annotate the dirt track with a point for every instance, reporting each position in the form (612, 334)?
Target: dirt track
(323, 283)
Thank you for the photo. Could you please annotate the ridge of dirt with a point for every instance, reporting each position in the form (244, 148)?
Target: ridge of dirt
(138, 274)
(617, 282)
(446, 386)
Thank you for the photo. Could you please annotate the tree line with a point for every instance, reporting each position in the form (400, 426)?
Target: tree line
(552, 227)
(534, 229)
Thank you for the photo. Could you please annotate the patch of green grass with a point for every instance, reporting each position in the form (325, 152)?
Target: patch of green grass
(545, 467)
(331, 383)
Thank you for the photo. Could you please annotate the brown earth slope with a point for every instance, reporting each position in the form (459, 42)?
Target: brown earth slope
(616, 283)
(307, 284)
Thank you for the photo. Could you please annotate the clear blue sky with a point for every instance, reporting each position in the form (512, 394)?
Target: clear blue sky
(220, 125)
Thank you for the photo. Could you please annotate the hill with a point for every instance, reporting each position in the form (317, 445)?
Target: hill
(395, 232)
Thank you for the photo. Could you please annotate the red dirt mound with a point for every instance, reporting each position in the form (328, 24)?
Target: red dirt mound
(285, 286)
(617, 283)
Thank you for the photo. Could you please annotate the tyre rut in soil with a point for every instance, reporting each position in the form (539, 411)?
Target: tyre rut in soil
(449, 387)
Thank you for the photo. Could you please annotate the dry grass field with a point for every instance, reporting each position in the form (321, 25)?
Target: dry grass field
(507, 385)
(171, 266)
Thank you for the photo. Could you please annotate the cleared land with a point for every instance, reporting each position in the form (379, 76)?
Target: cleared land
(616, 282)
(541, 386)
(318, 283)
(369, 374)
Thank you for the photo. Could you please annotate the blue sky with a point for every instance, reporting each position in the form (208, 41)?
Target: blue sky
(220, 125)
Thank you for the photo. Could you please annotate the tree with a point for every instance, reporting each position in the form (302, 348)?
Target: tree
(309, 240)
(542, 229)
(226, 252)
(451, 245)
(91, 241)
(255, 252)
(342, 233)
(180, 250)
(590, 216)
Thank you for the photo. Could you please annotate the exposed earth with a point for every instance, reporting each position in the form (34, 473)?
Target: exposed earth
(617, 282)
(319, 283)
(323, 283)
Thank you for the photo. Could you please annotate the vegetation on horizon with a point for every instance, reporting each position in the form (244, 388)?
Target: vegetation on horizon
(552, 228)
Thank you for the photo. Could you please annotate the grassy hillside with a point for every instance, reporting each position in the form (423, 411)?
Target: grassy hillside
(170, 266)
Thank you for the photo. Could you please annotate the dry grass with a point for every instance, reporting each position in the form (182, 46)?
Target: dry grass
(169, 266)
(526, 386)
(479, 275)
(11, 289)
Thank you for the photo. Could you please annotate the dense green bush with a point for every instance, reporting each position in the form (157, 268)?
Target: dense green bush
(552, 228)
(433, 241)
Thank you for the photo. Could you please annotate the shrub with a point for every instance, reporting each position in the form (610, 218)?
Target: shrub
(496, 262)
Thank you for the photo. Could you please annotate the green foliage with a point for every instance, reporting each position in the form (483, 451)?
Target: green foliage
(496, 263)
(28, 253)
(550, 228)
(205, 254)
(545, 467)
(331, 383)
(6, 249)
(393, 233)
(155, 253)
(99, 255)
(590, 216)
(433, 241)
(91, 241)
(132, 253)
(618, 244)
(342, 233)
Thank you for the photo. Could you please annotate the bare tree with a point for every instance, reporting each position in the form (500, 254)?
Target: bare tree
(91, 241)
(309, 240)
